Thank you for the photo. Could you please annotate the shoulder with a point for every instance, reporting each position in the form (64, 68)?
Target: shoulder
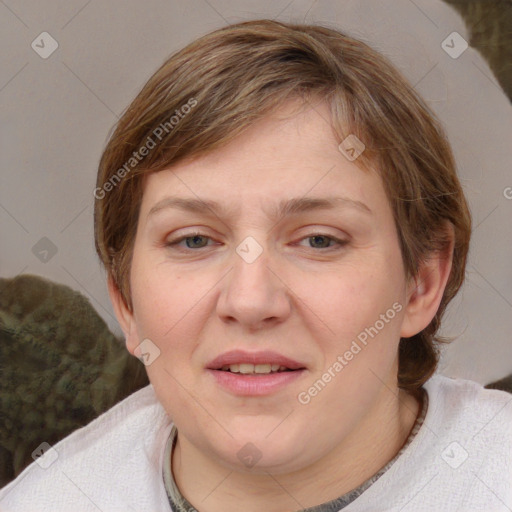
(460, 458)
(465, 401)
(468, 438)
(107, 463)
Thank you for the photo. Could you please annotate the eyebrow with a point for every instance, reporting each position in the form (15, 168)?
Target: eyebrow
(285, 208)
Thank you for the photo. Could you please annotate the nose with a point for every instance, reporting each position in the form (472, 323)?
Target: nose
(254, 293)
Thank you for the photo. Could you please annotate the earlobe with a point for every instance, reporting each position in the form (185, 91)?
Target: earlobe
(124, 315)
(425, 292)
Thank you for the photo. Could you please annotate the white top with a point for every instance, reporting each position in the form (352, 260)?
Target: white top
(461, 459)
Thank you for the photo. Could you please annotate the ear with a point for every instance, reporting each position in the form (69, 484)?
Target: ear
(425, 292)
(124, 316)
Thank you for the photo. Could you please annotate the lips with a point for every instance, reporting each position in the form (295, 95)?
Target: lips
(263, 362)
(254, 374)
(255, 369)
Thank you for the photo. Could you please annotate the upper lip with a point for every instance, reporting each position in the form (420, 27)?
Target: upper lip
(262, 357)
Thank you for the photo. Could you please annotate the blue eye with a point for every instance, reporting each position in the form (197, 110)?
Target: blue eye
(320, 239)
(199, 241)
(194, 244)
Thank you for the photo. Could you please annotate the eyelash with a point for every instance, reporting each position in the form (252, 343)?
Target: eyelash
(173, 243)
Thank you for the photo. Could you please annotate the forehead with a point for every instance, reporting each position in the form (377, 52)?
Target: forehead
(292, 154)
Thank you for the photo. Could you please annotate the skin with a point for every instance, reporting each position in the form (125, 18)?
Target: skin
(297, 298)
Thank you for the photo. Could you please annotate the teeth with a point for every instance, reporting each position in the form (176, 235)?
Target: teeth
(247, 368)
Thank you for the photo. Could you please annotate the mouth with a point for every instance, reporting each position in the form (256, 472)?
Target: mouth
(254, 373)
(257, 363)
(255, 369)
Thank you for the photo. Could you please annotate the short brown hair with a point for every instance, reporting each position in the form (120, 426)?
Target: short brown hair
(238, 74)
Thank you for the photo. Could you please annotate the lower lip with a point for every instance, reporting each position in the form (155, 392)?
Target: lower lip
(255, 385)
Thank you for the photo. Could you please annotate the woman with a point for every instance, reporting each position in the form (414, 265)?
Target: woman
(282, 226)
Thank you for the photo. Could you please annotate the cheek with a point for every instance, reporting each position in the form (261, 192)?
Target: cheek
(349, 299)
(158, 297)
(170, 309)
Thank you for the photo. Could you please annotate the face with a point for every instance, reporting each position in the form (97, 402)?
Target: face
(318, 289)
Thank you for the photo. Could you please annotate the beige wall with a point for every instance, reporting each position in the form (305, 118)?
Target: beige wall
(57, 113)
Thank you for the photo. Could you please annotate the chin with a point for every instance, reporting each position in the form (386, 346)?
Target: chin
(261, 453)
(250, 459)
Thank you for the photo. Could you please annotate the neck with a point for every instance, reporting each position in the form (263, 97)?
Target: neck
(212, 487)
